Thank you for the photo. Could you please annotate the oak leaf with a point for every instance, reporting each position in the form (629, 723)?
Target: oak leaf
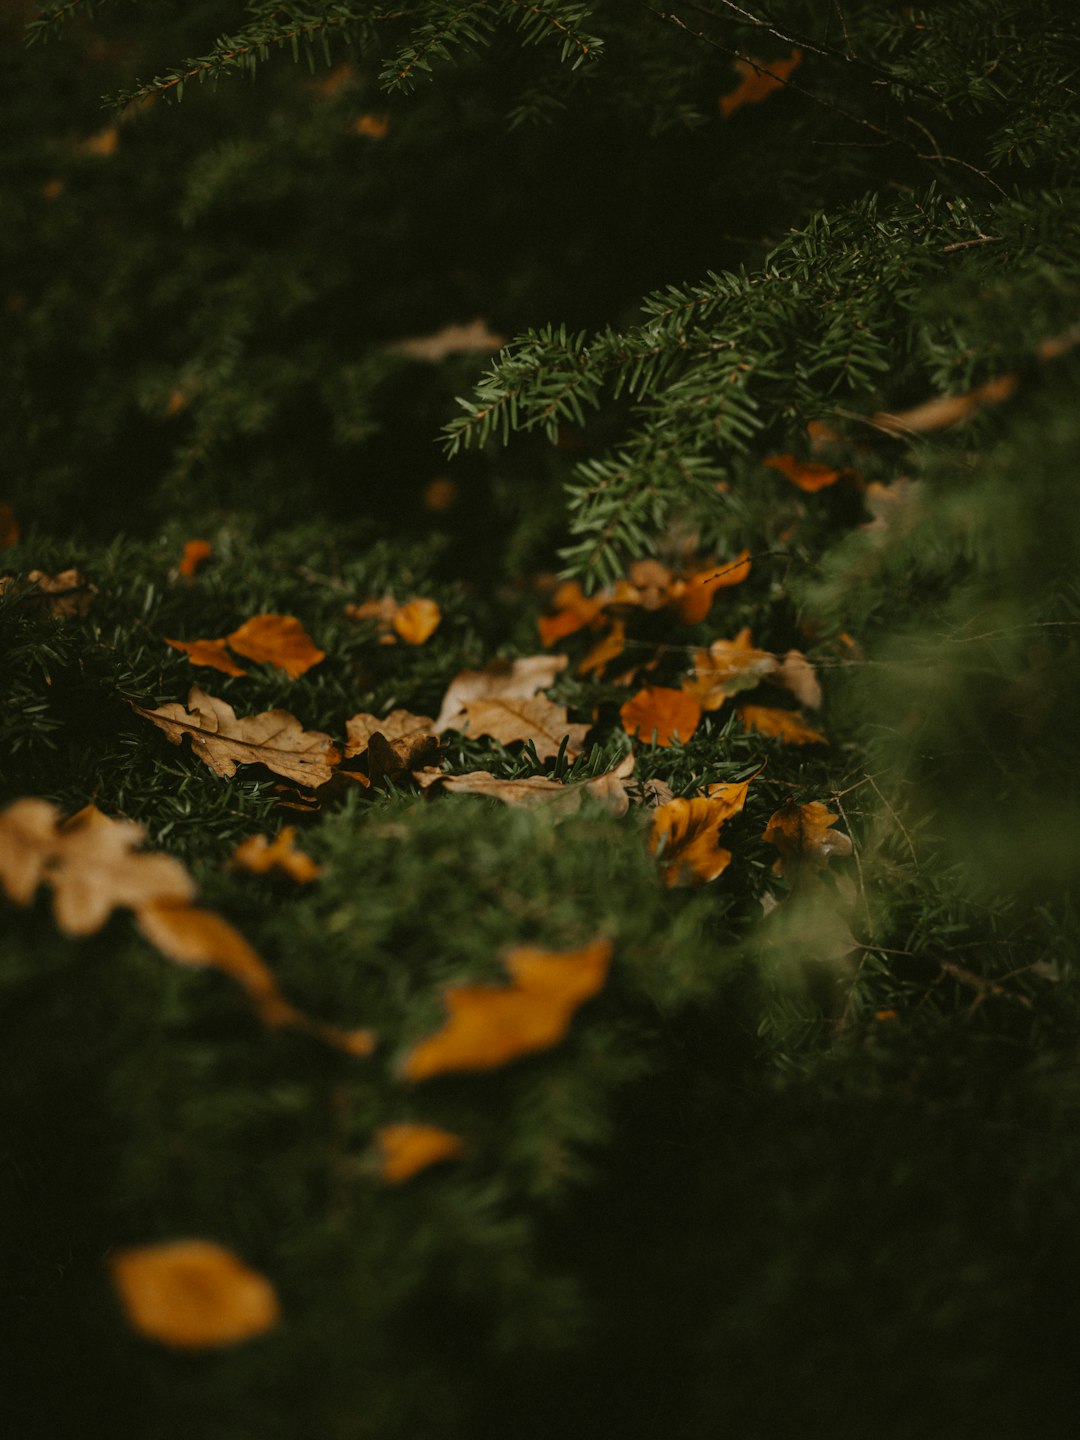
(659, 715)
(91, 862)
(398, 725)
(260, 856)
(725, 668)
(64, 594)
(223, 740)
(406, 1149)
(686, 835)
(490, 1025)
(509, 719)
(786, 725)
(193, 1294)
(506, 679)
(759, 78)
(803, 835)
(537, 791)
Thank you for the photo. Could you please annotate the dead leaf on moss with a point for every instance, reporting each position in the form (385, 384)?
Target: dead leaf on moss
(504, 679)
(786, 725)
(193, 1294)
(691, 596)
(659, 715)
(278, 640)
(223, 740)
(803, 836)
(758, 80)
(260, 856)
(808, 475)
(490, 1025)
(574, 611)
(405, 1150)
(726, 668)
(415, 621)
(606, 649)
(196, 553)
(64, 595)
(795, 673)
(536, 791)
(473, 338)
(509, 719)
(213, 654)
(686, 834)
(92, 864)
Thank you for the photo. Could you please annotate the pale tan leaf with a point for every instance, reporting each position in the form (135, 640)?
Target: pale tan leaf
(795, 673)
(536, 791)
(506, 679)
(509, 719)
(222, 740)
(450, 340)
(398, 725)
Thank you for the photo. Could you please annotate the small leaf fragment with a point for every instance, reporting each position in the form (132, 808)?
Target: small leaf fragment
(196, 553)
(508, 719)
(407, 1149)
(261, 856)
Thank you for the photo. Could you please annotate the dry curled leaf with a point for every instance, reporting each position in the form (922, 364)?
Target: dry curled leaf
(508, 719)
(475, 337)
(946, 410)
(196, 553)
(92, 864)
(608, 790)
(260, 856)
(193, 1294)
(214, 654)
(803, 836)
(223, 740)
(490, 1025)
(63, 595)
(398, 725)
(725, 668)
(660, 716)
(405, 1150)
(685, 834)
(759, 78)
(506, 679)
(786, 725)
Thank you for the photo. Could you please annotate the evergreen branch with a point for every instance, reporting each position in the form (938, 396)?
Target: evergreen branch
(51, 22)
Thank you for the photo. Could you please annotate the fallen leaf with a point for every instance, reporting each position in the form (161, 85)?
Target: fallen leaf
(686, 835)
(803, 835)
(193, 1294)
(102, 144)
(450, 340)
(730, 797)
(535, 791)
(787, 725)
(946, 410)
(510, 719)
(506, 679)
(196, 553)
(808, 475)
(651, 582)
(692, 596)
(260, 856)
(575, 610)
(606, 649)
(407, 1149)
(399, 725)
(212, 653)
(65, 594)
(9, 526)
(659, 715)
(895, 508)
(489, 1025)
(414, 621)
(278, 640)
(725, 668)
(91, 862)
(223, 740)
(795, 673)
(440, 495)
(372, 126)
(756, 84)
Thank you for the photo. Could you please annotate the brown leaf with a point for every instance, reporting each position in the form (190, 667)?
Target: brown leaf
(946, 410)
(787, 725)
(803, 835)
(9, 526)
(196, 553)
(895, 508)
(193, 1294)
(659, 715)
(505, 679)
(260, 855)
(755, 84)
(795, 673)
(223, 740)
(574, 611)
(102, 143)
(212, 653)
(727, 667)
(398, 725)
(278, 640)
(509, 719)
(607, 649)
(808, 475)
(536, 791)
(63, 595)
(91, 863)
(686, 835)
(372, 126)
(450, 340)
(407, 1149)
(692, 596)
(397, 759)
(490, 1025)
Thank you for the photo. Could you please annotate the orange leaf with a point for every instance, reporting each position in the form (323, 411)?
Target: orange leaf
(407, 1149)
(689, 831)
(802, 834)
(757, 85)
(729, 797)
(808, 475)
(489, 1025)
(604, 651)
(102, 144)
(417, 620)
(212, 653)
(695, 599)
(727, 667)
(440, 495)
(372, 126)
(946, 410)
(279, 640)
(193, 1294)
(787, 725)
(9, 526)
(659, 715)
(574, 611)
(260, 856)
(195, 552)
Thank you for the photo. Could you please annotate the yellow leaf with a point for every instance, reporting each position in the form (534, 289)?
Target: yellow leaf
(193, 1294)
(407, 1149)
(786, 725)
(490, 1025)
(727, 667)
(803, 834)
(213, 654)
(686, 835)
(278, 640)
(609, 648)
(659, 715)
(417, 620)
(692, 596)
(260, 856)
(223, 740)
